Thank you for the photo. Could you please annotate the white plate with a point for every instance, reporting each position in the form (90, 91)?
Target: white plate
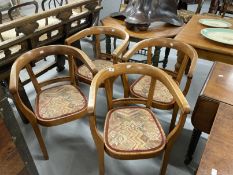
(218, 34)
(215, 23)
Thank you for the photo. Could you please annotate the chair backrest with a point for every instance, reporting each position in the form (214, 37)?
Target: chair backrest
(183, 4)
(18, 6)
(186, 51)
(25, 60)
(109, 75)
(96, 32)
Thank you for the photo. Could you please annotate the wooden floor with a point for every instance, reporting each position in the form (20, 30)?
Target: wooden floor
(10, 160)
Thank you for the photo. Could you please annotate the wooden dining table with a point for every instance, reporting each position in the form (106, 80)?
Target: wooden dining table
(156, 30)
(217, 158)
(218, 86)
(206, 48)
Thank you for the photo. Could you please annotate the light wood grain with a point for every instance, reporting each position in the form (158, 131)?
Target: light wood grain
(108, 76)
(206, 48)
(217, 153)
(220, 83)
(156, 30)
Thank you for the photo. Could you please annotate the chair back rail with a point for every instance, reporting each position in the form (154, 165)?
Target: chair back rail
(188, 52)
(135, 68)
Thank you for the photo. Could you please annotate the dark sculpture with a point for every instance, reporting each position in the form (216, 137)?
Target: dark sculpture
(139, 14)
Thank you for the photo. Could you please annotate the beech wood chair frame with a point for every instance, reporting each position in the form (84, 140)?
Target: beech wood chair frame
(107, 76)
(95, 32)
(24, 62)
(189, 63)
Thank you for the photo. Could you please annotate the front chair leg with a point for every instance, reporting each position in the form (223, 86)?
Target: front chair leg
(98, 143)
(165, 159)
(167, 51)
(101, 159)
(40, 140)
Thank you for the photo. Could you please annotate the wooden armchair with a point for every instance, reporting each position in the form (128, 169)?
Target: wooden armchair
(101, 58)
(133, 131)
(58, 100)
(162, 98)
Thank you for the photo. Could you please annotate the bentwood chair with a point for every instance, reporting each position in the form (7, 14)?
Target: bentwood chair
(58, 99)
(101, 57)
(162, 98)
(133, 131)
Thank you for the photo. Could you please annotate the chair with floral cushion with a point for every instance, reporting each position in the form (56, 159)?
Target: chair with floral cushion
(226, 8)
(186, 14)
(58, 99)
(101, 58)
(132, 130)
(162, 98)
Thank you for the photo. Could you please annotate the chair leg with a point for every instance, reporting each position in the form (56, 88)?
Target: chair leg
(155, 57)
(101, 160)
(167, 51)
(174, 116)
(99, 144)
(60, 61)
(165, 160)
(41, 141)
(192, 145)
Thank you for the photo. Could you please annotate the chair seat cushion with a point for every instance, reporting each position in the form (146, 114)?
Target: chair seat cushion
(51, 21)
(84, 72)
(9, 34)
(140, 88)
(133, 129)
(58, 101)
(185, 15)
(13, 49)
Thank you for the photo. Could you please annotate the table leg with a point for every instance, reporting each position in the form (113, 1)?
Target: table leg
(155, 58)
(60, 61)
(114, 42)
(192, 145)
(167, 52)
(108, 44)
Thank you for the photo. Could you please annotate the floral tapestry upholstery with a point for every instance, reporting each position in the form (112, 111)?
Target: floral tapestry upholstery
(59, 101)
(140, 88)
(84, 72)
(185, 15)
(133, 129)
